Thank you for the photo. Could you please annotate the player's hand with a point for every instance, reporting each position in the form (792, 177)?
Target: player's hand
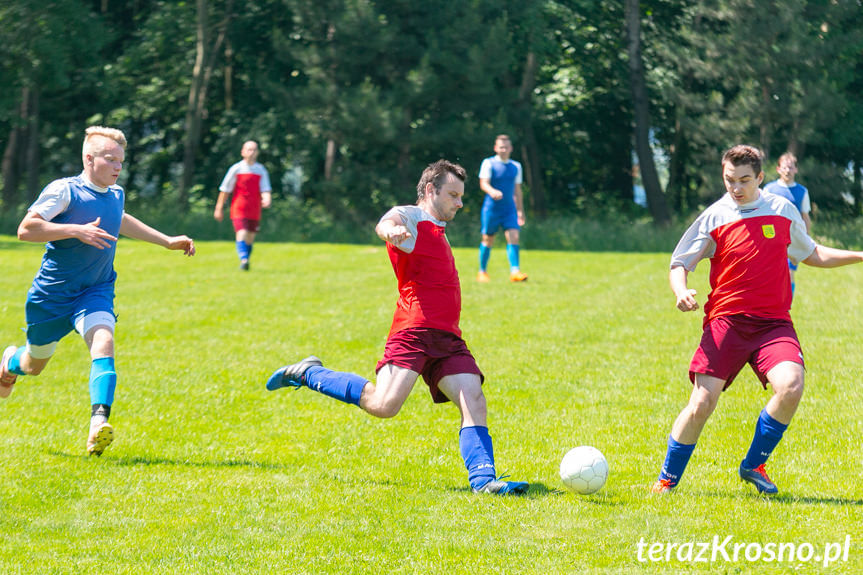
(496, 195)
(92, 235)
(183, 243)
(217, 214)
(266, 200)
(521, 219)
(397, 234)
(686, 300)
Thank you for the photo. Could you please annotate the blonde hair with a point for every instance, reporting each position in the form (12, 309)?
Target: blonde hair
(90, 139)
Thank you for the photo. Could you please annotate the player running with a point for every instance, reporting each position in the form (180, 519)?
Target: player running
(425, 338)
(500, 178)
(80, 218)
(747, 235)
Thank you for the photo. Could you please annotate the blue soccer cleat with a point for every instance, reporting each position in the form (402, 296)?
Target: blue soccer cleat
(292, 375)
(500, 487)
(758, 477)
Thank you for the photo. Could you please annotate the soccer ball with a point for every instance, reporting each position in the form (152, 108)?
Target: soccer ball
(584, 470)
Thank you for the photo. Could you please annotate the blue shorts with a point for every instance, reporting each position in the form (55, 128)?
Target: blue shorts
(50, 319)
(792, 266)
(493, 220)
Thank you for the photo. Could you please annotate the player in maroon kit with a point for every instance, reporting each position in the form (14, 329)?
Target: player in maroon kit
(248, 184)
(747, 234)
(425, 338)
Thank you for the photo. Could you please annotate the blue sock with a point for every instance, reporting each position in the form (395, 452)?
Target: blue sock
(340, 385)
(14, 364)
(768, 433)
(676, 459)
(792, 289)
(512, 254)
(103, 381)
(478, 454)
(484, 255)
(243, 250)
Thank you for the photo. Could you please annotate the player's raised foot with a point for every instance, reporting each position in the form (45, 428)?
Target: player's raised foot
(7, 378)
(500, 487)
(662, 486)
(292, 375)
(101, 436)
(517, 276)
(482, 277)
(244, 265)
(758, 477)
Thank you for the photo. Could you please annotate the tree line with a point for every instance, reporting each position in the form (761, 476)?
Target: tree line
(350, 99)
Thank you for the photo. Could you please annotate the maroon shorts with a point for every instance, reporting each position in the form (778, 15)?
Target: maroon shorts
(246, 224)
(730, 342)
(432, 353)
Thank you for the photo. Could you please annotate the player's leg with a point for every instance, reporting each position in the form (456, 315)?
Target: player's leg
(786, 379)
(98, 332)
(475, 443)
(792, 267)
(513, 253)
(687, 429)
(46, 326)
(245, 237)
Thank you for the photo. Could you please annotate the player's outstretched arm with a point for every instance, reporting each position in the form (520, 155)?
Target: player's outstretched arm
(685, 296)
(136, 229)
(34, 228)
(824, 257)
(392, 231)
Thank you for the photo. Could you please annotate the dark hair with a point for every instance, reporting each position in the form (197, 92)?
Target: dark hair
(743, 155)
(436, 174)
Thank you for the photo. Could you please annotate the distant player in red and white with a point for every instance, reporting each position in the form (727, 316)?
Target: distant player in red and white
(425, 338)
(748, 235)
(248, 184)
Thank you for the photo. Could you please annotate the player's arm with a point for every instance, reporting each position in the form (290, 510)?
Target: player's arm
(392, 230)
(35, 228)
(824, 257)
(220, 206)
(266, 199)
(485, 186)
(677, 277)
(519, 204)
(136, 229)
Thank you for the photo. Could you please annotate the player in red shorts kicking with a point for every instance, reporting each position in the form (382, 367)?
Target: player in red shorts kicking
(748, 236)
(425, 338)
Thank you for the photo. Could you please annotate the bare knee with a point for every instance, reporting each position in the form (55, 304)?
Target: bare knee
(702, 406)
(790, 391)
(378, 405)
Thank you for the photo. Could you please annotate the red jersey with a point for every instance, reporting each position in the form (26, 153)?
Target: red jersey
(749, 246)
(429, 289)
(245, 183)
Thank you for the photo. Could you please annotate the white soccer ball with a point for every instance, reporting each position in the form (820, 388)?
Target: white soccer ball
(584, 470)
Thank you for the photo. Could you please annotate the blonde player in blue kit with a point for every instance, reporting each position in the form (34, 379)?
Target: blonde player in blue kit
(80, 218)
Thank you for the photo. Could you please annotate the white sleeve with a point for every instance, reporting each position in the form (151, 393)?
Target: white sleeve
(485, 169)
(695, 245)
(265, 181)
(801, 246)
(519, 177)
(805, 205)
(410, 217)
(53, 200)
(230, 180)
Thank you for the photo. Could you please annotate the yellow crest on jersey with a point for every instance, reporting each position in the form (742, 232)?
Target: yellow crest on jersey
(768, 231)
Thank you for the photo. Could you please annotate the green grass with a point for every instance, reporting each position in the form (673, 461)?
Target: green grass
(210, 473)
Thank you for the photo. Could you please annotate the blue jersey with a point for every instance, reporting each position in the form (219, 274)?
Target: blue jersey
(69, 266)
(502, 176)
(796, 194)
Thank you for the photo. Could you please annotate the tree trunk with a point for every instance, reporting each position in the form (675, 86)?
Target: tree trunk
(32, 157)
(329, 160)
(530, 148)
(655, 198)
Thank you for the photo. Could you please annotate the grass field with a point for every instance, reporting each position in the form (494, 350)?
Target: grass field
(210, 473)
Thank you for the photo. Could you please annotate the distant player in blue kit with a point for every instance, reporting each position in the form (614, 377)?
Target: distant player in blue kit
(794, 192)
(80, 218)
(500, 178)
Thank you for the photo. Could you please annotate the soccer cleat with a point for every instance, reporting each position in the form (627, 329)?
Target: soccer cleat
(758, 477)
(7, 378)
(292, 375)
(100, 438)
(499, 487)
(662, 486)
(518, 276)
(482, 277)
(244, 265)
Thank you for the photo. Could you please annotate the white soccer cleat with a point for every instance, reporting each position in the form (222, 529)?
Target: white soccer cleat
(100, 438)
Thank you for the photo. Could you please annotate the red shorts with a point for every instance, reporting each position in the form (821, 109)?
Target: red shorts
(432, 353)
(730, 342)
(246, 224)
